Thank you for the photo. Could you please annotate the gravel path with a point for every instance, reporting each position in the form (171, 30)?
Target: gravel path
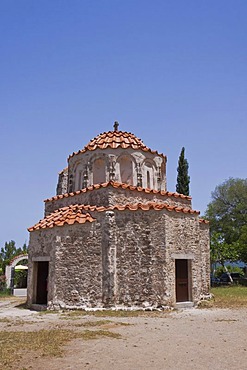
(187, 339)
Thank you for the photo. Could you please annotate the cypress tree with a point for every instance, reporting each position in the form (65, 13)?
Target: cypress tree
(183, 178)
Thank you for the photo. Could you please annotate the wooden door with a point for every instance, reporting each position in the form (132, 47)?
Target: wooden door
(182, 280)
(42, 282)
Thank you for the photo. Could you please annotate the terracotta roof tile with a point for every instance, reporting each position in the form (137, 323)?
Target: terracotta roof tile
(64, 170)
(118, 185)
(66, 215)
(76, 213)
(203, 221)
(116, 139)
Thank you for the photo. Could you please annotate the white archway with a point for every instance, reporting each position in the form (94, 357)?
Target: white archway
(13, 263)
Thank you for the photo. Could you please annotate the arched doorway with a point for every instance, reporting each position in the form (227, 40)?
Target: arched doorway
(16, 268)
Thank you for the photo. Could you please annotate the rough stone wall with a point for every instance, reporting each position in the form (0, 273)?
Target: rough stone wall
(124, 258)
(126, 196)
(146, 245)
(108, 259)
(140, 259)
(78, 261)
(97, 197)
(62, 185)
(111, 196)
(205, 258)
(185, 240)
(75, 264)
(41, 245)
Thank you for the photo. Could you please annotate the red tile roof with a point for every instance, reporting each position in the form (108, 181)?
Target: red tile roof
(66, 215)
(118, 185)
(203, 221)
(64, 170)
(76, 213)
(116, 139)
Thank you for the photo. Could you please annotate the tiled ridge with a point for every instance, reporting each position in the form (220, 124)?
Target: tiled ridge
(118, 185)
(76, 213)
(116, 139)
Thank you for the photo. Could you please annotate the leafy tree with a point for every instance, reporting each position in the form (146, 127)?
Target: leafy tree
(8, 252)
(227, 213)
(183, 179)
(24, 248)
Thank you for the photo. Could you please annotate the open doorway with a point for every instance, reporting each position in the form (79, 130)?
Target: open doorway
(183, 290)
(42, 282)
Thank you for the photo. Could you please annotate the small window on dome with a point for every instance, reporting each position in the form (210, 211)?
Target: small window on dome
(99, 175)
(126, 170)
(149, 175)
(148, 179)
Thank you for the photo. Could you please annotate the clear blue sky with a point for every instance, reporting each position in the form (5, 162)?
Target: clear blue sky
(171, 72)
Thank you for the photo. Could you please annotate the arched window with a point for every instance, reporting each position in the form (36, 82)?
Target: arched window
(148, 179)
(126, 170)
(80, 180)
(99, 174)
(163, 170)
(149, 175)
(78, 177)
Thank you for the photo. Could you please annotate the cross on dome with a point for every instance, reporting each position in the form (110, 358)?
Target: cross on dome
(116, 124)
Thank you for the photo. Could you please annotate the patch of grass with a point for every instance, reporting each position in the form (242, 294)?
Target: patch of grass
(225, 320)
(12, 322)
(108, 323)
(94, 323)
(94, 334)
(47, 312)
(5, 320)
(6, 297)
(5, 293)
(207, 303)
(123, 323)
(14, 345)
(15, 321)
(230, 296)
(114, 313)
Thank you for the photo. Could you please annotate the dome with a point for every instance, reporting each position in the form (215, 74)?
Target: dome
(116, 139)
(114, 156)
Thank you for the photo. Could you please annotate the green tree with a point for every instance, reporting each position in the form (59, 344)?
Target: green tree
(243, 243)
(227, 213)
(8, 252)
(183, 179)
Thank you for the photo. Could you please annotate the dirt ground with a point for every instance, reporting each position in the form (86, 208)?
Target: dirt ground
(184, 339)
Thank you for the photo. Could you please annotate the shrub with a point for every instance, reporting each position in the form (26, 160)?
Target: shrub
(20, 279)
(2, 283)
(220, 270)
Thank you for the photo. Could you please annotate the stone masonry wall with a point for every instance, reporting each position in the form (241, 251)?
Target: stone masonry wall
(140, 259)
(124, 258)
(78, 261)
(146, 247)
(205, 258)
(126, 196)
(41, 245)
(99, 197)
(111, 196)
(62, 186)
(185, 240)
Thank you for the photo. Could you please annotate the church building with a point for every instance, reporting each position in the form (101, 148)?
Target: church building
(114, 237)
